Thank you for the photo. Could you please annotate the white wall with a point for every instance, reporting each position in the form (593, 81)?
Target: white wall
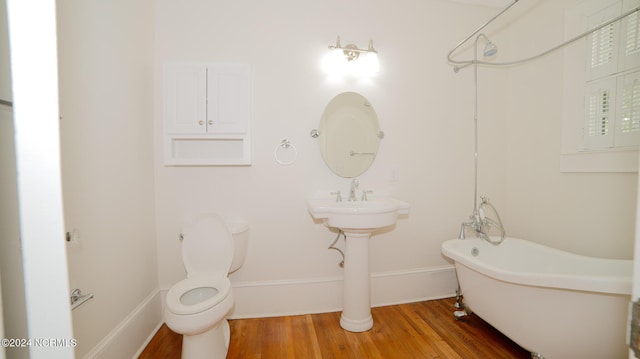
(587, 213)
(426, 158)
(107, 160)
(425, 110)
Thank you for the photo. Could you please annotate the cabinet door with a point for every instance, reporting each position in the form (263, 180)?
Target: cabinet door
(228, 98)
(185, 98)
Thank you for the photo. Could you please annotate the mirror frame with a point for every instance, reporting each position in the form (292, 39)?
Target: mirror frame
(349, 134)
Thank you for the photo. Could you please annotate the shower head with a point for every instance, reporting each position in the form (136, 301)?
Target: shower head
(490, 49)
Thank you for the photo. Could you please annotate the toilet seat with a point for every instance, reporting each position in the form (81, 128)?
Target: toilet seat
(175, 304)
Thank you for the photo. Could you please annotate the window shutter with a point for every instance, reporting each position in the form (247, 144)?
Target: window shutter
(602, 46)
(599, 110)
(628, 120)
(630, 43)
(603, 49)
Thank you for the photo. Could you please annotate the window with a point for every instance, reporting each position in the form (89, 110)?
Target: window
(601, 124)
(612, 87)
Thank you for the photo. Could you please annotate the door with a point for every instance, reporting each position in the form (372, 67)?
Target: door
(33, 60)
(185, 99)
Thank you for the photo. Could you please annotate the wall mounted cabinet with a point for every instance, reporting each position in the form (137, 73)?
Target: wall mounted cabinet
(207, 110)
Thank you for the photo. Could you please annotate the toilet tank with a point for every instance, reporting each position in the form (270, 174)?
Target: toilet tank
(239, 228)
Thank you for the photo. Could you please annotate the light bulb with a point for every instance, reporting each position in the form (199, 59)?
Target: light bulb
(368, 64)
(372, 62)
(335, 64)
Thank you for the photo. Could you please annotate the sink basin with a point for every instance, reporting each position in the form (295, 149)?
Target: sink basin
(377, 212)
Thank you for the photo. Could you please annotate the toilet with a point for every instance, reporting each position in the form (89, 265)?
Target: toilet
(197, 306)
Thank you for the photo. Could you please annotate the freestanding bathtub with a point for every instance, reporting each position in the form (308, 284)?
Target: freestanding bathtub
(555, 304)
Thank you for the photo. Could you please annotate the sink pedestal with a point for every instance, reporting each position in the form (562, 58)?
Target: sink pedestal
(356, 300)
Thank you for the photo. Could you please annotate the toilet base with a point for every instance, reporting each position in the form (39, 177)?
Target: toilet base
(213, 343)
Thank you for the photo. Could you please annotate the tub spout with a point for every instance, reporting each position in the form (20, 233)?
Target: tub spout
(461, 235)
(464, 225)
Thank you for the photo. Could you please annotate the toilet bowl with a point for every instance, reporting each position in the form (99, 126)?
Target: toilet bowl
(197, 306)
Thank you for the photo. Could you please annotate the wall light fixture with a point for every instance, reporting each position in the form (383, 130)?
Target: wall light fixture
(351, 60)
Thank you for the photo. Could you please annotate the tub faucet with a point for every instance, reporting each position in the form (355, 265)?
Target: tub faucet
(483, 224)
(352, 192)
(463, 227)
(475, 222)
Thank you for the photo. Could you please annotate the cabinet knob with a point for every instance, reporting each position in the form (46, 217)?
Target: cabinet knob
(201, 122)
(210, 122)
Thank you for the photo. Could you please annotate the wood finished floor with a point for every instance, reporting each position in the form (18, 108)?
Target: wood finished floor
(415, 330)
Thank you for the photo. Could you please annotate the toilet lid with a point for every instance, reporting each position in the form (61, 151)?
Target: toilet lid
(207, 246)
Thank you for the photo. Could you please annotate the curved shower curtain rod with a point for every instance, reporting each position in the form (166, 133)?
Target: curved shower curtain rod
(462, 64)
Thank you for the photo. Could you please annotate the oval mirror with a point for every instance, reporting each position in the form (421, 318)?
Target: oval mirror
(349, 134)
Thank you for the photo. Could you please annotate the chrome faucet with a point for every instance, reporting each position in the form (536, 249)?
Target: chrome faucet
(463, 227)
(352, 192)
(474, 222)
(481, 224)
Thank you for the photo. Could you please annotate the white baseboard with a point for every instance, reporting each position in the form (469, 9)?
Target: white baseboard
(280, 298)
(409, 286)
(128, 339)
(276, 298)
(149, 338)
(321, 295)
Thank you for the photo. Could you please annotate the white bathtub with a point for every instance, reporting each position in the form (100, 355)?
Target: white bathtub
(554, 303)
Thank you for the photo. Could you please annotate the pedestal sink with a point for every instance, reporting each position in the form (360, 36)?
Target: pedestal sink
(358, 220)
